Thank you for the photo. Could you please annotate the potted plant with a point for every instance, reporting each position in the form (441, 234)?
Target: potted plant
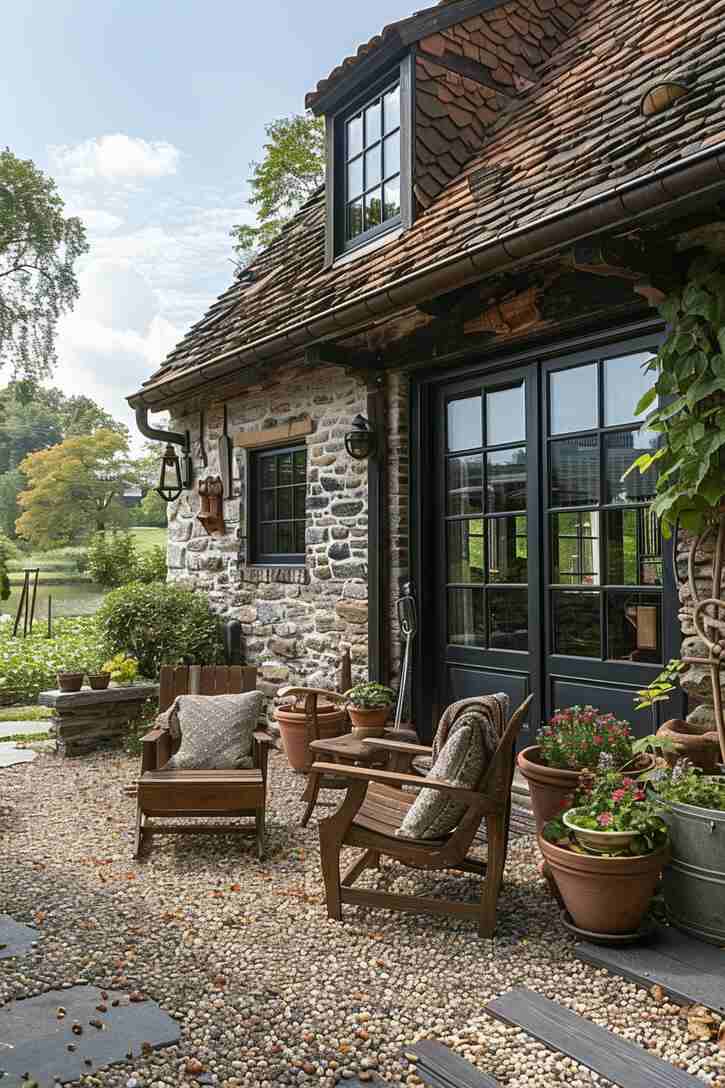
(71, 677)
(693, 807)
(678, 737)
(572, 741)
(98, 677)
(606, 854)
(369, 707)
(294, 718)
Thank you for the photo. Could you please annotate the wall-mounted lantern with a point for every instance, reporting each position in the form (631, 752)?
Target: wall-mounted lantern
(176, 472)
(361, 442)
(171, 483)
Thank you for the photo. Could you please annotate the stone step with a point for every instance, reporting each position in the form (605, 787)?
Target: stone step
(520, 792)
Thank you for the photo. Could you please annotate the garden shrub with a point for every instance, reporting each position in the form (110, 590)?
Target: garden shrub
(151, 565)
(29, 665)
(111, 559)
(160, 624)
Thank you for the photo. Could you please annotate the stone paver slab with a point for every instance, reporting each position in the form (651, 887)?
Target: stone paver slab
(10, 755)
(15, 939)
(34, 1040)
(11, 729)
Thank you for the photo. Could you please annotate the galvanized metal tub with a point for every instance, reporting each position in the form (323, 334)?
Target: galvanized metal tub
(694, 882)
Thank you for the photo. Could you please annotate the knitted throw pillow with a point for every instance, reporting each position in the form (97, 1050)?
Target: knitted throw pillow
(462, 762)
(216, 731)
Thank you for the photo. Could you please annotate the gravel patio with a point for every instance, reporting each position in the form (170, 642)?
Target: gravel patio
(266, 990)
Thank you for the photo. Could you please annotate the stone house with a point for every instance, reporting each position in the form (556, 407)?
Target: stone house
(511, 188)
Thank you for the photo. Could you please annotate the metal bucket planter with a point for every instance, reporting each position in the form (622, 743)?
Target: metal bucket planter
(694, 884)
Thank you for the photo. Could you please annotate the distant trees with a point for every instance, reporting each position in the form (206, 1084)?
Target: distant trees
(73, 488)
(292, 168)
(39, 247)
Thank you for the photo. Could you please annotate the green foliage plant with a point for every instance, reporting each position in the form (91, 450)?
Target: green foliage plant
(151, 565)
(662, 687)
(122, 668)
(29, 665)
(111, 559)
(8, 551)
(370, 696)
(613, 802)
(690, 393)
(575, 738)
(160, 624)
(689, 786)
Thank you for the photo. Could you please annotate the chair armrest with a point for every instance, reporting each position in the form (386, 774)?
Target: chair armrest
(156, 749)
(263, 737)
(398, 746)
(292, 692)
(392, 778)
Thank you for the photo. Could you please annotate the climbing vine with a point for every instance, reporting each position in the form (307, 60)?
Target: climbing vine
(690, 394)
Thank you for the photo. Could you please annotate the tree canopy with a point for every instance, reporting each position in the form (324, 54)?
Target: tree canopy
(39, 246)
(292, 168)
(73, 488)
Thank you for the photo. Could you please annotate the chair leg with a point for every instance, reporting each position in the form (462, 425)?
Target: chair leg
(496, 834)
(330, 847)
(259, 825)
(310, 796)
(139, 835)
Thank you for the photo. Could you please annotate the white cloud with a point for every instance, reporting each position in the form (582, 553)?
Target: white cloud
(96, 220)
(116, 157)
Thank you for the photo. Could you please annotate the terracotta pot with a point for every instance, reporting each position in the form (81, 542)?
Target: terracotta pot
(552, 789)
(332, 721)
(368, 723)
(605, 895)
(99, 681)
(70, 681)
(701, 747)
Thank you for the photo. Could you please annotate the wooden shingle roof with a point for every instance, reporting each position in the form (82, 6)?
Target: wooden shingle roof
(575, 134)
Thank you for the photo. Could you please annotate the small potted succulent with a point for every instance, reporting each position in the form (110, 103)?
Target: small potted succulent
(693, 807)
(572, 741)
(369, 707)
(606, 854)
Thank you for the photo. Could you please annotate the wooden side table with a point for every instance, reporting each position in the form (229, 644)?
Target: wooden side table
(347, 751)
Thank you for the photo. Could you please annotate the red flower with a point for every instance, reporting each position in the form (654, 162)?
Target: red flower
(628, 782)
(597, 738)
(639, 795)
(604, 819)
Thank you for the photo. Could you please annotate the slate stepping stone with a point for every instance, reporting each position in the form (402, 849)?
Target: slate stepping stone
(609, 1055)
(15, 939)
(689, 971)
(34, 1040)
(10, 756)
(440, 1067)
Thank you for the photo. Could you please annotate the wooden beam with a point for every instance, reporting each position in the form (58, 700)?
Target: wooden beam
(328, 354)
(244, 440)
(623, 259)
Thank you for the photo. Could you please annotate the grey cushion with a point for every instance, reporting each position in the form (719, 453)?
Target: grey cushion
(463, 760)
(216, 731)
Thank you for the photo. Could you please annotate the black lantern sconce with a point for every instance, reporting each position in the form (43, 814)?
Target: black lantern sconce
(176, 471)
(361, 442)
(171, 480)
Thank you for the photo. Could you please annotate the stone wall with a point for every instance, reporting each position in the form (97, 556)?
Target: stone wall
(295, 620)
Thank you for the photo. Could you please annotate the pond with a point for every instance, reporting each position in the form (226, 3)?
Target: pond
(72, 598)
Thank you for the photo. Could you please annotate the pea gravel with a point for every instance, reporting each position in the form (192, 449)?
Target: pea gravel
(267, 991)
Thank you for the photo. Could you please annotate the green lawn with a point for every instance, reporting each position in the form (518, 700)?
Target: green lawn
(24, 714)
(65, 560)
(147, 538)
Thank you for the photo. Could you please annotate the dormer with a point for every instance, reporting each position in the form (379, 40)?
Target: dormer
(416, 103)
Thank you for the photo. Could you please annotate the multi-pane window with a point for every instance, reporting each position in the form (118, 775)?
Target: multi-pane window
(486, 520)
(604, 543)
(372, 166)
(279, 487)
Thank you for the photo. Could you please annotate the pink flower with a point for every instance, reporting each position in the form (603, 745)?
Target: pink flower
(597, 738)
(604, 819)
(618, 795)
(628, 782)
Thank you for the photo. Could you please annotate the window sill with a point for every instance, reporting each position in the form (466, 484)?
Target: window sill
(295, 574)
(369, 247)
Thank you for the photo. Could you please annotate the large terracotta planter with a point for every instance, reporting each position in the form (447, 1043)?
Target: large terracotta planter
(605, 895)
(552, 790)
(332, 722)
(700, 746)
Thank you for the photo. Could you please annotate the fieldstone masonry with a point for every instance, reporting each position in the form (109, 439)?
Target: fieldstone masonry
(295, 620)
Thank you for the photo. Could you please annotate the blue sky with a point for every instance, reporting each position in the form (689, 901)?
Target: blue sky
(147, 113)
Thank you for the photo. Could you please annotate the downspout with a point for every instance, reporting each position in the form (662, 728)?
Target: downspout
(378, 660)
(173, 438)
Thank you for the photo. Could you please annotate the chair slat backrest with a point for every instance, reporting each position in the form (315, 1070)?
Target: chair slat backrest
(204, 680)
(501, 766)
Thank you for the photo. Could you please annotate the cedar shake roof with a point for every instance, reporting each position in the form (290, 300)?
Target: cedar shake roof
(573, 133)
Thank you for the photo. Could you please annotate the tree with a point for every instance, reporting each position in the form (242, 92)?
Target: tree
(292, 169)
(73, 489)
(11, 483)
(38, 250)
(7, 551)
(150, 512)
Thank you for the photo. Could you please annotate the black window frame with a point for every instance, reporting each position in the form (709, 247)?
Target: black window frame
(257, 459)
(337, 245)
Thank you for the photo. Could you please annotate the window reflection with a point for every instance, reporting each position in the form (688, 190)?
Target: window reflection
(466, 626)
(634, 548)
(465, 484)
(508, 550)
(573, 399)
(576, 626)
(465, 551)
(634, 627)
(575, 471)
(465, 429)
(621, 450)
(505, 416)
(625, 383)
(506, 480)
(575, 549)
(508, 619)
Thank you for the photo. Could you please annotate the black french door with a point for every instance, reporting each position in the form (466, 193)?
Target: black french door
(550, 573)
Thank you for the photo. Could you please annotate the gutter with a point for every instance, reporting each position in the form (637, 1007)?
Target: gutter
(621, 205)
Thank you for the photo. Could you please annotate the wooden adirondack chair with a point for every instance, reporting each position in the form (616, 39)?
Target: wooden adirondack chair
(374, 808)
(162, 793)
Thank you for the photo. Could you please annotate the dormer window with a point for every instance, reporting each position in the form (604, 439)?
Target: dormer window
(372, 166)
(368, 163)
